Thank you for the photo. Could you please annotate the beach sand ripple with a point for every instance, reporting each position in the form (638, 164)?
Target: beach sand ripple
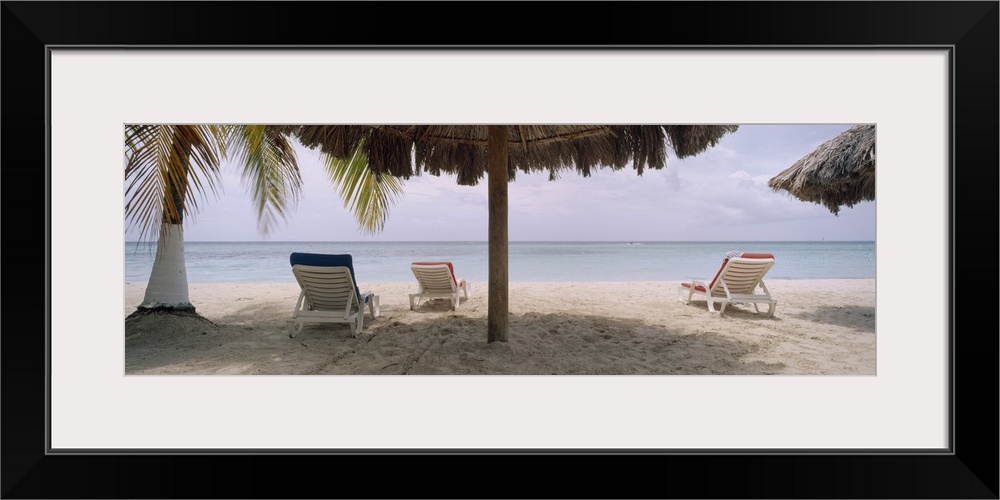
(821, 327)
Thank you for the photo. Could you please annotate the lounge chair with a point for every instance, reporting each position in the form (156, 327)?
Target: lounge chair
(735, 283)
(437, 280)
(329, 292)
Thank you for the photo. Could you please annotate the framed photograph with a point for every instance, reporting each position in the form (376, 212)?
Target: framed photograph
(920, 424)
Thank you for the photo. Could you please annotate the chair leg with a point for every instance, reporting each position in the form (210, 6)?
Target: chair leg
(690, 294)
(373, 306)
(771, 308)
(295, 327)
(411, 302)
(711, 305)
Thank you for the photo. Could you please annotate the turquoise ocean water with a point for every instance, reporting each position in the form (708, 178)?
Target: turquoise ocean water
(529, 261)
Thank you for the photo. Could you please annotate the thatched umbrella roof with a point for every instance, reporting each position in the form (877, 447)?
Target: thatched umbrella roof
(499, 151)
(839, 172)
(462, 149)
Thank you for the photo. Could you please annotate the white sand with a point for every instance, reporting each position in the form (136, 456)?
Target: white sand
(820, 327)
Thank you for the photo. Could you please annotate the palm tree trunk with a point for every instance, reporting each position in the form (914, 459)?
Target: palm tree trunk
(168, 285)
(167, 288)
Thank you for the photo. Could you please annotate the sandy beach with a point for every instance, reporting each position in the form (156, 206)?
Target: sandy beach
(820, 327)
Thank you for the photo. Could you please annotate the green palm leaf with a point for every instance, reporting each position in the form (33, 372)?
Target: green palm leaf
(169, 168)
(163, 165)
(270, 171)
(366, 194)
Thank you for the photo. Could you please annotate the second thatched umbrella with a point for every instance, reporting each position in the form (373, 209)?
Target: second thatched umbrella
(839, 172)
(499, 151)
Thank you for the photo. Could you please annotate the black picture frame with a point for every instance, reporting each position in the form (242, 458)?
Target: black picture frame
(970, 29)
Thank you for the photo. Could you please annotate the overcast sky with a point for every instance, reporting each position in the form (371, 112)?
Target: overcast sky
(718, 195)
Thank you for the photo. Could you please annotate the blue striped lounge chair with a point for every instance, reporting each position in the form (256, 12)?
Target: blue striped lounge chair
(329, 292)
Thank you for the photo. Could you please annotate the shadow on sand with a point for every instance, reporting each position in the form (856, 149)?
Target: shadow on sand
(861, 318)
(433, 340)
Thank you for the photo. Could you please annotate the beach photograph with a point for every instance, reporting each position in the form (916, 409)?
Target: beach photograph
(666, 253)
(519, 250)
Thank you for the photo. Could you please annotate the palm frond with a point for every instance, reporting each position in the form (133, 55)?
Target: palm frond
(164, 165)
(270, 171)
(367, 194)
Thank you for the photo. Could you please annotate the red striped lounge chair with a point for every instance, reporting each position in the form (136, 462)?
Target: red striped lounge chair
(736, 282)
(437, 280)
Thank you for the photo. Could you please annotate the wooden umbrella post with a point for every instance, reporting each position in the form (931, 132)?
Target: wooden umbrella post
(496, 324)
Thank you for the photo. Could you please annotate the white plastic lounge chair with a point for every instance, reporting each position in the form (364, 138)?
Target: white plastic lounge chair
(437, 280)
(736, 282)
(329, 292)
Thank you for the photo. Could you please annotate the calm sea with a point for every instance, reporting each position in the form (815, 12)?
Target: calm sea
(529, 261)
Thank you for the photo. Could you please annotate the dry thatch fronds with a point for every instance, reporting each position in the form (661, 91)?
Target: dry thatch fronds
(405, 150)
(840, 172)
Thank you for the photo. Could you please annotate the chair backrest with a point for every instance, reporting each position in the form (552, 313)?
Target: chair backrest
(310, 265)
(742, 274)
(435, 276)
